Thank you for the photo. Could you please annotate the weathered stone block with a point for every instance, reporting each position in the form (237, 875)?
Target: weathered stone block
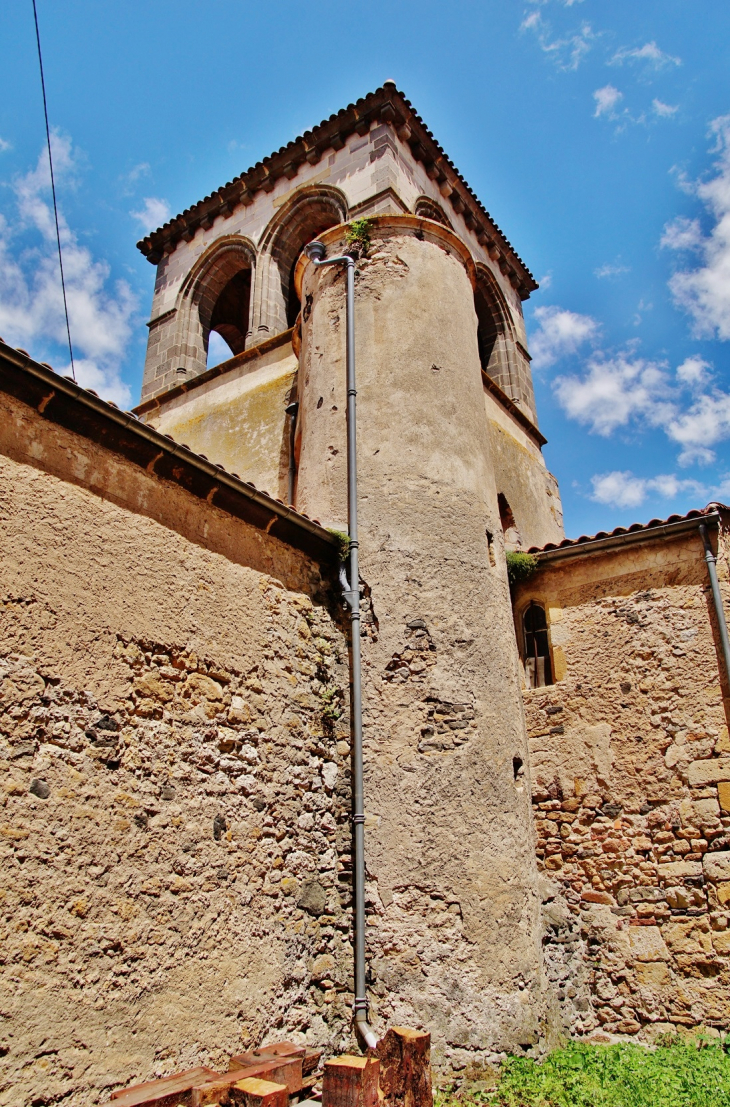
(723, 794)
(721, 941)
(647, 943)
(652, 973)
(708, 771)
(677, 870)
(716, 866)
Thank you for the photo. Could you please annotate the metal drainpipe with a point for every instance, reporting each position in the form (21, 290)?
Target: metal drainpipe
(717, 598)
(292, 410)
(351, 592)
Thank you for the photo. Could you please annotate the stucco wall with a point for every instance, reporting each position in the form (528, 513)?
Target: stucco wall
(628, 752)
(454, 936)
(239, 420)
(522, 477)
(174, 778)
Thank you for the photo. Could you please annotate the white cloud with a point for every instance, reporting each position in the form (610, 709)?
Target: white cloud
(622, 389)
(616, 390)
(694, 371)
(567, 52)
(546, 281)
(4, 145)
(649, 53)
(559, 334)
(705, 423)
(682, 234)
(142, 169)
(31, 303)
(606, 99)
(154, 213)
(623, 489)
(704, 292)
(611, 271)
(665, 111)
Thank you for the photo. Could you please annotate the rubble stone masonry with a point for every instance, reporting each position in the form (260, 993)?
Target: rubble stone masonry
(174, 779)
(630, 766)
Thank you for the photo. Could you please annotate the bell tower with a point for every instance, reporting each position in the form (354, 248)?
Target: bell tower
(450, 460)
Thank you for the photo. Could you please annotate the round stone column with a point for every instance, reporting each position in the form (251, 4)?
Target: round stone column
(454, 940)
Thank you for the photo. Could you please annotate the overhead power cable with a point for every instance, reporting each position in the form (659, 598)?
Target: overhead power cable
(53, 191)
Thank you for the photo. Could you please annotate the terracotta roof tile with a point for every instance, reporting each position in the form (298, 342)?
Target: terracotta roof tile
(633, 528)
(387, 98)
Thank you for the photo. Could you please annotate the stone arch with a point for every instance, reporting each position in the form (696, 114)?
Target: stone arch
(495, 333)
(312, 210)
(216, 295)
(429, 209)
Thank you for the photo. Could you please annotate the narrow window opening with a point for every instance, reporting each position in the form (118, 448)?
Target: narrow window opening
(490, 548)
(218, 349)
(517, 767)
(512, 536)
(229, 317)
(538, 670)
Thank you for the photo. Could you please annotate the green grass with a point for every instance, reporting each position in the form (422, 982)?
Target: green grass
(678, 1073)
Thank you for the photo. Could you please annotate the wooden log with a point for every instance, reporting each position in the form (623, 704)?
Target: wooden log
(405, 1068)
(218, 1092)
(281, 1070)
(350, 1082)
(252, 1092)
(167, 1092)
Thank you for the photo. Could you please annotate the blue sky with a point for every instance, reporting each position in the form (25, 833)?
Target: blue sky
(597, 135)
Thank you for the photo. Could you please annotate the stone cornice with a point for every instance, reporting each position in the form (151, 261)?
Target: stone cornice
(385, 105)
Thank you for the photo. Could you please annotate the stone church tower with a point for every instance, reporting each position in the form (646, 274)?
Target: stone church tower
(451, 473)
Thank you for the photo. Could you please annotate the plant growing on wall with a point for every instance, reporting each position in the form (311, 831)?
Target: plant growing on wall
(520, 566)
(357, 237)
(331, 703)
(343, 543)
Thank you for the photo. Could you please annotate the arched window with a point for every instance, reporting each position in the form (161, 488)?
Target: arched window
(216, 299)
(231, 310)
(429, 209)
(311, 213)
(538, 670)
(492, 331)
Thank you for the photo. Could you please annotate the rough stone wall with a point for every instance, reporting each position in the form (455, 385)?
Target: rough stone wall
(174, 775)
(628, 755)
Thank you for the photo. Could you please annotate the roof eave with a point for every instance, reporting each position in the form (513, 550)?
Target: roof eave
(386, 105)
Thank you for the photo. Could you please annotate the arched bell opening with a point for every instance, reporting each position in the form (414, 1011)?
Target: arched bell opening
(215, 306)
(312, 212)
(493, 332)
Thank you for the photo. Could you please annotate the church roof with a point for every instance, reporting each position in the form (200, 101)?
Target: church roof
(386, 105)
(655, 528)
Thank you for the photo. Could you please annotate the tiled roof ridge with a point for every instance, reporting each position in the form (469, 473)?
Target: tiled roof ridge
(310, 146)
(289, 513)
(695, 513)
